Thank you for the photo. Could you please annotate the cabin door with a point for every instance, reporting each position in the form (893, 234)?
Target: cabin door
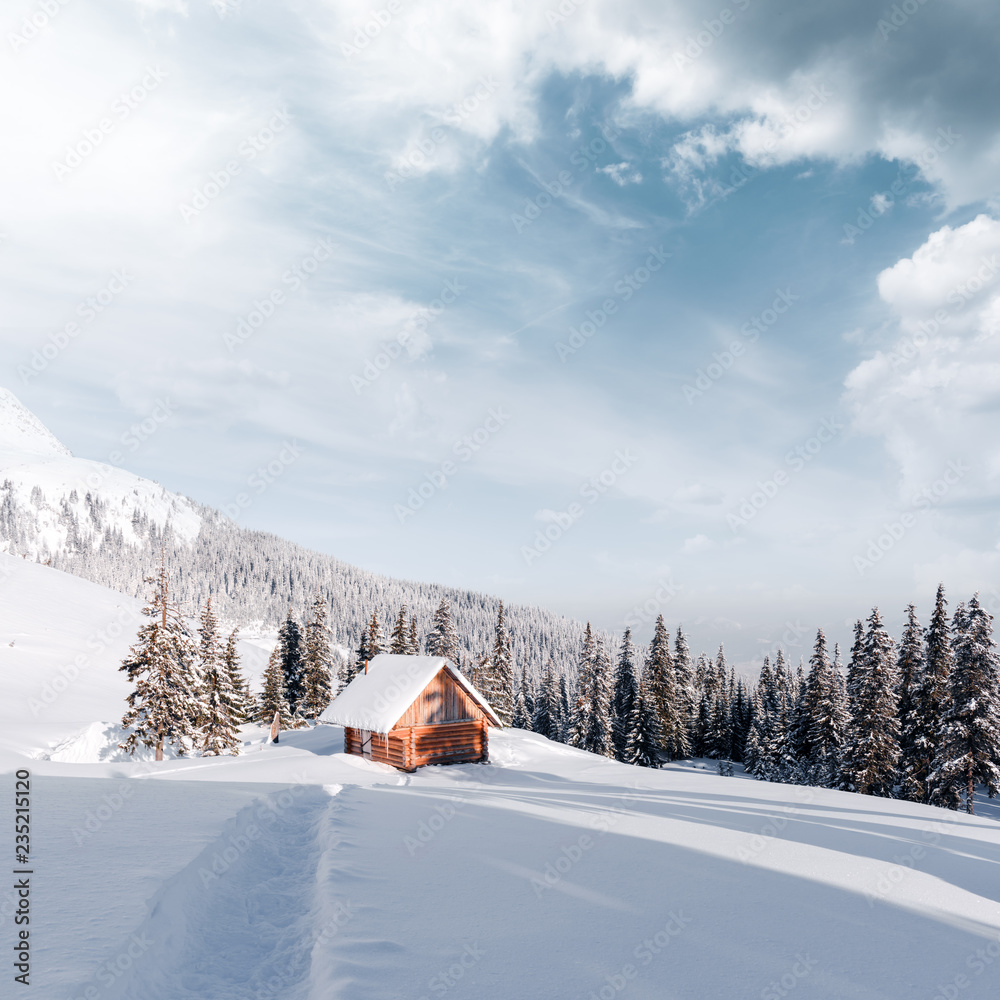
(366, 744)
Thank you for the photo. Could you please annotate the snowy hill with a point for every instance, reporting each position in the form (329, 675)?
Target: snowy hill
(54, 504)
(297, 872)
(109, 526)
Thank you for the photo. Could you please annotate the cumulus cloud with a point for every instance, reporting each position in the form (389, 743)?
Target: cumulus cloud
(934, 396)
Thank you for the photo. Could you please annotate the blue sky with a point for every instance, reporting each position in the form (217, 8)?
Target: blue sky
(722, 437)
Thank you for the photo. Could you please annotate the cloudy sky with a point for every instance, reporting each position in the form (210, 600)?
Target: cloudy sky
(614, 307)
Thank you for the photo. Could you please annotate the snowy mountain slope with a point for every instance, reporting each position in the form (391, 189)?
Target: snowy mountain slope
(548, 873)
(52, 503)
(295, 871)
(22, 433)
(109, 526)
(61, 641)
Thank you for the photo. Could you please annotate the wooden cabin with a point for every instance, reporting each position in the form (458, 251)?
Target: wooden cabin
(409, 711)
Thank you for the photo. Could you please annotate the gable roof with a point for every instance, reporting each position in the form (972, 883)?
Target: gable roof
(378, 699)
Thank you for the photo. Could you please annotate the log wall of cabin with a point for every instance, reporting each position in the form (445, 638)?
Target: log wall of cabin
(461, 742)
(441, 701)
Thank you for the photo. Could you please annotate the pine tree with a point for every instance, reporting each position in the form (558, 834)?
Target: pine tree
(645, 738)
(685, 685)
(317, 677)
(626, 691)
(400, 637)
(872, 751)
(501, 669)
(580, 724)
(246, 703)
(442, 640)
(412, 639)
(545, 719)
(221, 701)
(598, 737)
(522, 708)
(376, 642)
(165, 703)
(930, 702)
(290, 656)
(969, 746)
(910, 670)
(659, 672)
(565, 714)
(272, 698)
(825, 719)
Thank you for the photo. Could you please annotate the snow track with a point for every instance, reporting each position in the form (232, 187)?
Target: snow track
(241, 920)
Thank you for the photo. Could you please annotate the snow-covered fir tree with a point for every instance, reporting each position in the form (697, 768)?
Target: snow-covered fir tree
(317, 662)
(658, 671)
(910, 671)
(501, 672)
(523, 703)
(246, 702)
(825, 719)
(871, 756)
(545, 719)
(219, 722)
(969, 745)
(164, 704)
(930, 702)
(400, 639)
(442, 640)
(685, 683)
(272, 696)
(290, 657)
(626, 691)
(412, 639)
(579, 727)
(598, 736)
(645, 733)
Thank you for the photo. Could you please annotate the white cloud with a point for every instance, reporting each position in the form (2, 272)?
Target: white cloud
(934, 396)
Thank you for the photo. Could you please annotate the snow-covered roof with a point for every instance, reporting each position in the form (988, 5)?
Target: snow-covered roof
(377, 700)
